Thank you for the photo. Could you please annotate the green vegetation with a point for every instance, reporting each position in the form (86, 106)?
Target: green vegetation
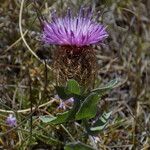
(113, 115)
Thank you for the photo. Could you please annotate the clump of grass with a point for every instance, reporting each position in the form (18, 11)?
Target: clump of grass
(27, 89)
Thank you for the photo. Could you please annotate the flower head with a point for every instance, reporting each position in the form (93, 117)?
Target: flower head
(80, 30)
(11, 120)
(64, 103)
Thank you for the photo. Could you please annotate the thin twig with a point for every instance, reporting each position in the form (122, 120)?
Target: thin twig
(28, 109)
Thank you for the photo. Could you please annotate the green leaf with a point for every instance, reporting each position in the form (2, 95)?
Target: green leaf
(74, 109)
(61, 91)
(77, 146)
(101, 122)
(47, 119)
(108, 86)
(73, 87)
(89, 107)
(60, 118)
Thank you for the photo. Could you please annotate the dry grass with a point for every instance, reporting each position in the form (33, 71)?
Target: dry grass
(26, 77)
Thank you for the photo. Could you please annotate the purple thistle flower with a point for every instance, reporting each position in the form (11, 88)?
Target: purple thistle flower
(80, 30)
(11, 120)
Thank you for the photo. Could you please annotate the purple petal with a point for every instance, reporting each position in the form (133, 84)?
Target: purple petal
(11, 120)
(78, 31)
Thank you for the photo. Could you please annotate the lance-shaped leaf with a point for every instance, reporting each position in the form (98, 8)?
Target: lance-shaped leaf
(101, 122)
(88, 108)
(47, 118)
(110, 85)
(60, 118)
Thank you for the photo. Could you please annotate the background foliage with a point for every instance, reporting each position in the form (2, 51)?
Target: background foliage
(25, 82)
